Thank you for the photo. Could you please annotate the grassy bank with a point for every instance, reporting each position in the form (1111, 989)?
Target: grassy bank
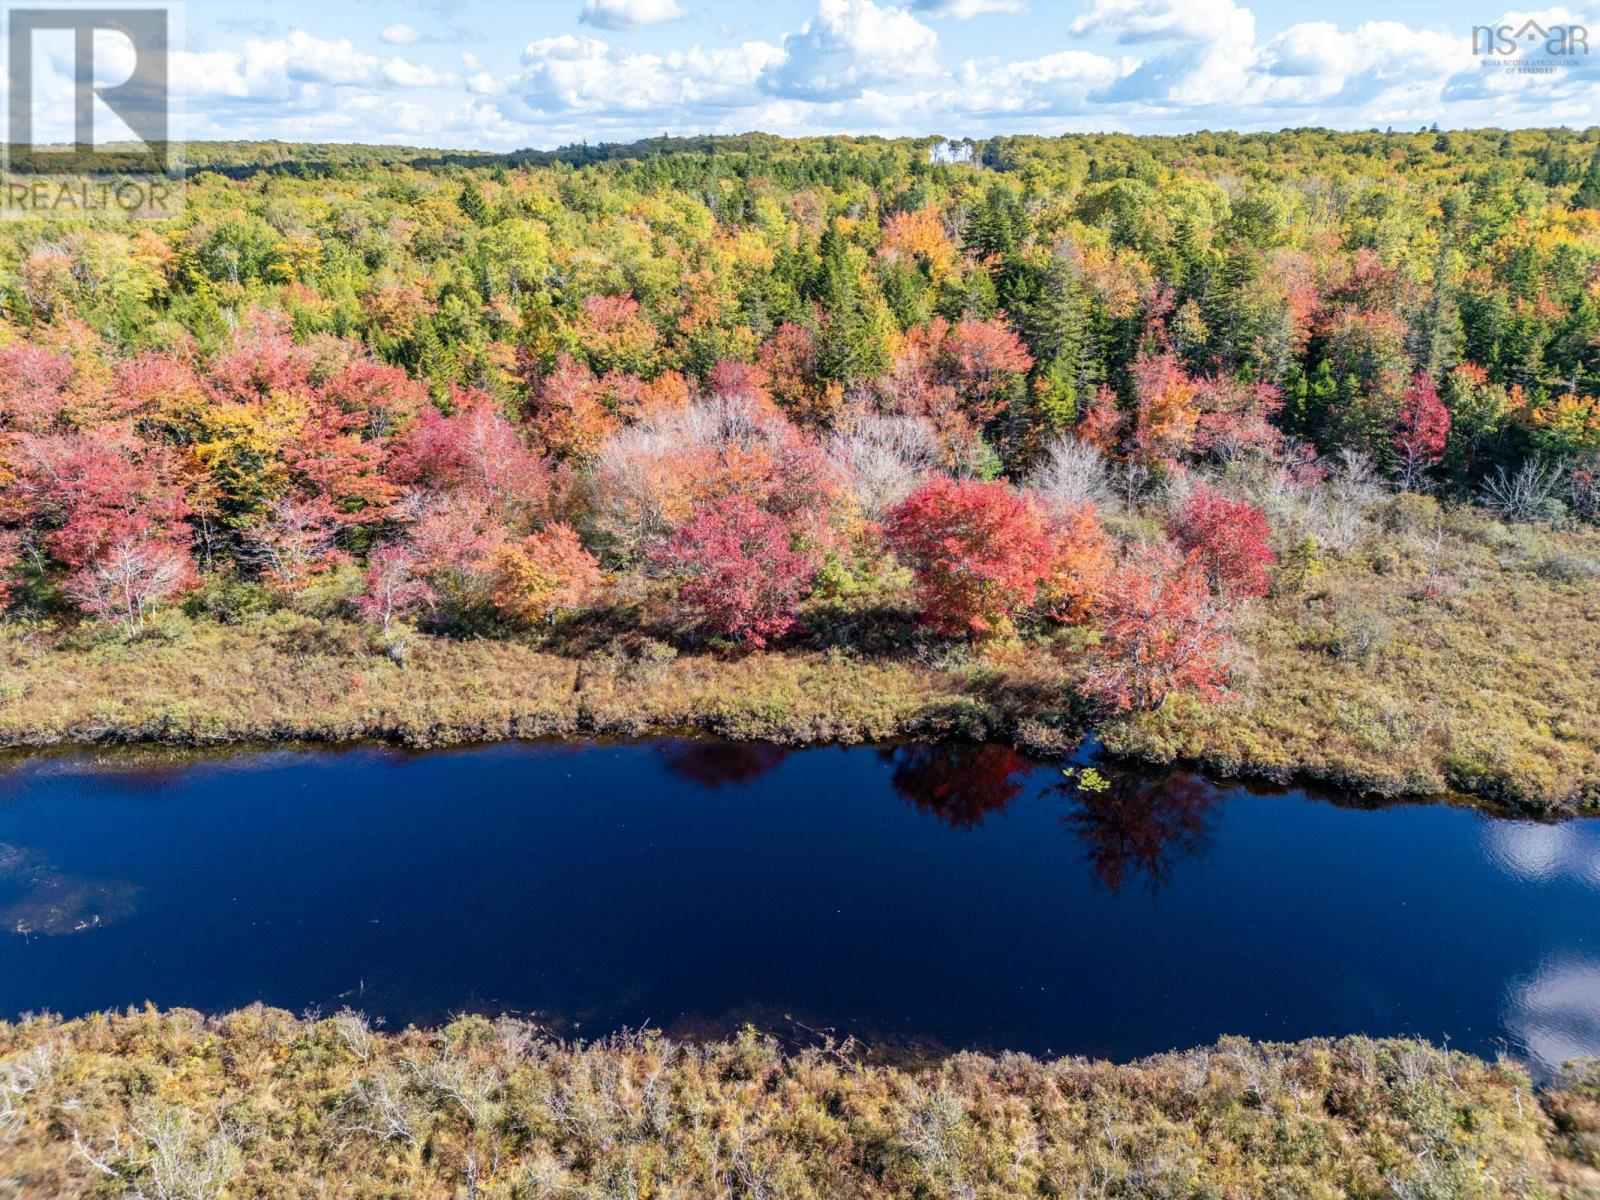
(1444, 653)
(260, 1104)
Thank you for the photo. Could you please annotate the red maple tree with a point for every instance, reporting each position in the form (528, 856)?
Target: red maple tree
(1420, 430)
(979, 551)
(473, 450)
(1229, 539)
(393, 590)
(1162, 634)
(738, 570)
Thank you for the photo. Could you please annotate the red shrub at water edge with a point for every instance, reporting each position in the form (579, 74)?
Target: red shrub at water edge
(738, 570)
(979, 550)
(1229, 539)
(1162, 634)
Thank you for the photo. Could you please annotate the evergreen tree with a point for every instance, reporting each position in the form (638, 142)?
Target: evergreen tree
(1588, 193)
(472, 202)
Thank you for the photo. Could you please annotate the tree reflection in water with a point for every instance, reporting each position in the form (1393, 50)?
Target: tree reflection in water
(961, 783)
(1138, 825)
(1141, 825)
(716, 764)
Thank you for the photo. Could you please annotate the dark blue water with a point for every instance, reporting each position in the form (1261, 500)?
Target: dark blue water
(916, 897)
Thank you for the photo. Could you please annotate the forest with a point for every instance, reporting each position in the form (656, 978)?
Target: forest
(1246, 448)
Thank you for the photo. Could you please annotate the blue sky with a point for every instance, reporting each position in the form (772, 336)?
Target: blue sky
(498, 75)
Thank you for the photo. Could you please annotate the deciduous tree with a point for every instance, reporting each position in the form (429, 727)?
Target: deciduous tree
(534, 579)
(394, 590)
(1229, 539)
(1080, 561)
(738, 570)
(979, 551)
(474, 449)
(294, 541)
(127, 577)
(1167, 413)
(1161, 633)
(1421, 430)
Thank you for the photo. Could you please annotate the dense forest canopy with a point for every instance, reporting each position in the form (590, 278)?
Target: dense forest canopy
(751, 367)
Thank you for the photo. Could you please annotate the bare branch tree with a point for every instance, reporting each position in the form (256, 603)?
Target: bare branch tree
(1073, 474)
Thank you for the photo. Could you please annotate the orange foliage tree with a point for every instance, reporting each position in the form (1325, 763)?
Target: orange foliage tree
(1080, 561)
(534, 579)
(1161, 633)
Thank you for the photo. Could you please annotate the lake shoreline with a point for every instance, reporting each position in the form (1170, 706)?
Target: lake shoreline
(218, 686)
(165, 745)
(479, 1103)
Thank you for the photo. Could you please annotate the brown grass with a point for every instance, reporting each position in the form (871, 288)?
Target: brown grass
(1471, 664)
(258, 1104)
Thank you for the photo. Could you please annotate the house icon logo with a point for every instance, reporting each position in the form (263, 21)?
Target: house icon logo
(1535, 47)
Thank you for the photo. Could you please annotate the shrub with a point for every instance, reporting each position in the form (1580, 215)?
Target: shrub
(1564, 566)
(1229, 539)
(534, 579)
(979, 551)
(738, 570)
(1532, 493)
(1410, 512)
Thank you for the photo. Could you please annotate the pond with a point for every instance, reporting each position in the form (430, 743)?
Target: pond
(922, 898)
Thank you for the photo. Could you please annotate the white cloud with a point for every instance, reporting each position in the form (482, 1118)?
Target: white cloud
(311, 60)
(1319, 52)
(1202, 21)
(298, 69)
(412, 75)
(961, 10)
(1062, 82)
(400, 35)
(585, 74)
(1209, 55)
(873, 66)
(850, 45)
(629, 14)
